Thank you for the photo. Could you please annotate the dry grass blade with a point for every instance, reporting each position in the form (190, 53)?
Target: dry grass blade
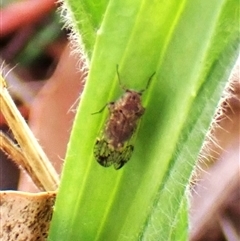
(37, 160)
(16, 155)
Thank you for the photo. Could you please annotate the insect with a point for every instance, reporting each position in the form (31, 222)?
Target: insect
(113, 147)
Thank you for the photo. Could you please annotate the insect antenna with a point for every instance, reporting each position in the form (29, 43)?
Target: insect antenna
(119, 79)
(148, 83)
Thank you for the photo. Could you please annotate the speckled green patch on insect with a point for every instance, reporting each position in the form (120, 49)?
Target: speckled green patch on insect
(113, 147)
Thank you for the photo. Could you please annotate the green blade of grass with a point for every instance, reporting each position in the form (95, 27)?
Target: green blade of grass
(191, 45)
(84, 17)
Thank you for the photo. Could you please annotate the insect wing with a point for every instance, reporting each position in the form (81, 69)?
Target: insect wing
(123, 157)
(103, 153)
(106, 156)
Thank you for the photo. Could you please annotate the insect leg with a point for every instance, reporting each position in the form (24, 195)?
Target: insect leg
(98, 112)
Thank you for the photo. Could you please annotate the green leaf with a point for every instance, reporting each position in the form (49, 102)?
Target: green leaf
(84, 17)
(191, 45)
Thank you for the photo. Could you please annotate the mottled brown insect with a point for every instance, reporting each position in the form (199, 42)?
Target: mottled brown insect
(124, 114)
